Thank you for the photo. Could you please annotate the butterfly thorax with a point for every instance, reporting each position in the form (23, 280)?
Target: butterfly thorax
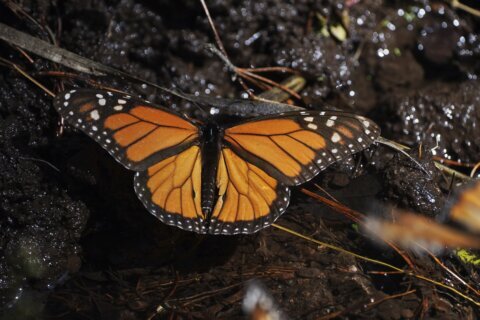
(211, 137)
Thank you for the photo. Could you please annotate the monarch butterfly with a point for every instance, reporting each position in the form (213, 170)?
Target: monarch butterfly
(212, 179)
(466, 209)
(258, 304)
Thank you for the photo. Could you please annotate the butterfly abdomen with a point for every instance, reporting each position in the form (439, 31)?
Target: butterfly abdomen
(210, 154)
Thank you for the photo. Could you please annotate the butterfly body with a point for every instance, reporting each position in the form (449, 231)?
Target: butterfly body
(210, 178)
(211, 134)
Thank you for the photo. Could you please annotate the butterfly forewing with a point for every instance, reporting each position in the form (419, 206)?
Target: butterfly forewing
(137, 133)
(294, 147)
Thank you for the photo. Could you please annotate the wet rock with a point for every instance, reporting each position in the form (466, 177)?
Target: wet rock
(468, 53)
(399, 72)
(40, 223)
(409, 186)
(444, 115)
(310, 273)
(320, 58)
(438, 41)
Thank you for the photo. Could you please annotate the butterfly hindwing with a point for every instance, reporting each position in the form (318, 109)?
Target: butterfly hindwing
(248, 198)
(135, 132)
(294, 147)
(171, 190)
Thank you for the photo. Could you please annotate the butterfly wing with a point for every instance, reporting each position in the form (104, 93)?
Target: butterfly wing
(294, 147)
(171, 190)
(466, 209)
(161, 145)
(136, 133)
(248, 198)
(262, 157)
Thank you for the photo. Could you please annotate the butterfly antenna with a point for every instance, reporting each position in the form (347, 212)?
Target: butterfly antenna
(401, 149)
(214, 30)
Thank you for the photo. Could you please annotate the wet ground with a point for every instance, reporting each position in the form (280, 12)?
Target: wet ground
(75, 241)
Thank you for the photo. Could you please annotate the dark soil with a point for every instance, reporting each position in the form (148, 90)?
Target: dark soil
(76, 243)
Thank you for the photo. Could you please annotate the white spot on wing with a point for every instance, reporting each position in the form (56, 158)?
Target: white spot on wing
(95, 115)
(102, 102)
(312, 126)
(308, 119)
(336, 137)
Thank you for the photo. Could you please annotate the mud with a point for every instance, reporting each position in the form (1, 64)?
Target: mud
(76, 243)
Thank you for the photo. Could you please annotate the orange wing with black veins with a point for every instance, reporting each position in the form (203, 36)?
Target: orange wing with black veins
(263, 156)
(294, 147)
(136, 133)
(248, 198)
(171, 190)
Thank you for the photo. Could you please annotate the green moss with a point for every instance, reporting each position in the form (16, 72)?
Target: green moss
(468, 257)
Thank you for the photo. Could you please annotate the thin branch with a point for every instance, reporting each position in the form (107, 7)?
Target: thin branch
(214, 29)
(412, 274)
(474, 170)
(459, 5)
(26, 75)
(356, 217)
(52, 53)
(398, 147)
